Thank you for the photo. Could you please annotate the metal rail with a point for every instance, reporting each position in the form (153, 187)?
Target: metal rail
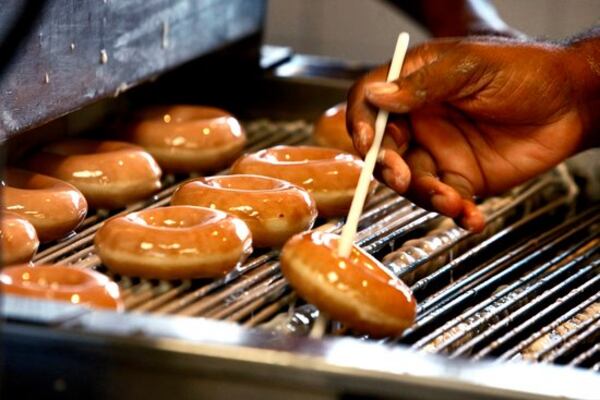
(503, 301)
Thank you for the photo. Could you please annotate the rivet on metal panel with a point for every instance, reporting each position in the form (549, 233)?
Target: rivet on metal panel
(103, 56)
(165, 35)
(120, 89)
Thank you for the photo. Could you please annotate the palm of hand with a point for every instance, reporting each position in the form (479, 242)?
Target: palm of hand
(491, 156)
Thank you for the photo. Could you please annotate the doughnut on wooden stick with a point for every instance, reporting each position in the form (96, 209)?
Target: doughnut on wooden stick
(356, 290)
(362, 188)
(341, 279)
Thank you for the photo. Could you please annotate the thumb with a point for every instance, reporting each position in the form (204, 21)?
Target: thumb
(449, 78)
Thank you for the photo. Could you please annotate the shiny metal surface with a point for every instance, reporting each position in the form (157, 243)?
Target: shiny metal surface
(329, 368)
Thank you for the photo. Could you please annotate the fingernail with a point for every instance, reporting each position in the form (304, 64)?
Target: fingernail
(382, 88)
(364, 143)
(400, 182)
(363, 137)
(381, 156)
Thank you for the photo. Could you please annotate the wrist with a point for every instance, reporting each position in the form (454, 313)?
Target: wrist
(582, 59)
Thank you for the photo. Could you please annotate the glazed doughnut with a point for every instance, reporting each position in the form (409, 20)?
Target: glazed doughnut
(55, 208)
(330, 175)
(189, 138)
(18, 240)
(330, 130)
(57, 282)
(273, 209)
(109, 174)
(356, 290)
(176, 242)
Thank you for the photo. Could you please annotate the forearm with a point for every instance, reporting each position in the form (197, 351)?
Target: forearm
(583, 59)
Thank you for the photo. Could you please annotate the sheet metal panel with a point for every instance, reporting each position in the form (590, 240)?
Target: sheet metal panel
(80, 51)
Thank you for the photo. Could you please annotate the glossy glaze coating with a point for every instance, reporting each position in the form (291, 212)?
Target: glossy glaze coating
(55, 208)
(57, 282)
(273, 209)
(330, 130)
(18, 240)
(176, 242)
(356, 290)
(109, 174)
(329, 175)
(189, 138)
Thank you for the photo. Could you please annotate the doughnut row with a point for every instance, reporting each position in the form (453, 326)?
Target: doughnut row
(213, 222)
(276, 193)
(63, 179)
(49, 199)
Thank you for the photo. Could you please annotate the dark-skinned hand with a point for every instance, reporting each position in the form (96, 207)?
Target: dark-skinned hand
(471, 117)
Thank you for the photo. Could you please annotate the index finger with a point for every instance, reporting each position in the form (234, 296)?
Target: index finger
(360, 115)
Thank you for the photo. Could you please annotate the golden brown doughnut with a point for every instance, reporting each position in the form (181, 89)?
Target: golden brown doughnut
(109, 174)
(273, 209)
(187, 138)
(356, 290)
(330, 130)
(55, 208)
(57, 282)
(176, 242)
(18, 240)
(329, 175)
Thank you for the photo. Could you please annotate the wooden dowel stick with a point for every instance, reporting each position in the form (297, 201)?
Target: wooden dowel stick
(362, 188)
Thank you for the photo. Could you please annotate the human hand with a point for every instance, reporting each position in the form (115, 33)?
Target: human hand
(471, 117)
